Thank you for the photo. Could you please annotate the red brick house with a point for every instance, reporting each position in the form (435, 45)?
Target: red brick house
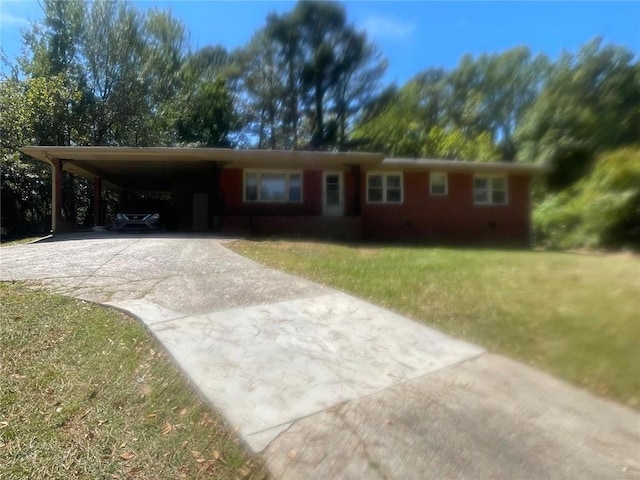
(335, 195)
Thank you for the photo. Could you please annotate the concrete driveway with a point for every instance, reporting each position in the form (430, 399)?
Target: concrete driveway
(325, 385)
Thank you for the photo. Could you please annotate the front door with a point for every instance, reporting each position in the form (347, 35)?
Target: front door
(333, 194)
(200, 211)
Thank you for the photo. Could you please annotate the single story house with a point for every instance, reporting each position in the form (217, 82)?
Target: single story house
(337, 195)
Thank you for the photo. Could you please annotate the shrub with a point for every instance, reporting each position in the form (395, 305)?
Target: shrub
(601, 210)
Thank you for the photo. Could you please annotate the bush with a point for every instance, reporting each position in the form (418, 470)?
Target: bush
(601, 210)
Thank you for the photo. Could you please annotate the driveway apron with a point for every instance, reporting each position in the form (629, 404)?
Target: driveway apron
(325, 385)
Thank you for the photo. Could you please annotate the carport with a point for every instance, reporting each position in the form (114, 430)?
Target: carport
(192, 176)
(185, 173)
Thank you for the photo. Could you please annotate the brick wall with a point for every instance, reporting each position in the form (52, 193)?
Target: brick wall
(453, 218)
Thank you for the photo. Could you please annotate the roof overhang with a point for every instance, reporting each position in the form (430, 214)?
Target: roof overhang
(461, 166)
(158, 167)
(124, 166)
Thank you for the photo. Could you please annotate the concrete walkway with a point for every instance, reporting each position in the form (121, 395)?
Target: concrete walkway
(325, 385)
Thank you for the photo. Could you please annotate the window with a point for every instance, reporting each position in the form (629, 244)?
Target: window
(272, 186)
(438, 183)
(384, 187)
(490, 190)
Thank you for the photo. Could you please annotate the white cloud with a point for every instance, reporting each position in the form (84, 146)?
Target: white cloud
(8, 19)
(388, 27)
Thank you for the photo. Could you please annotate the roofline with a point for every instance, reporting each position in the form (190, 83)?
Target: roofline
(462, 165)
(226, 155)
(257, 158)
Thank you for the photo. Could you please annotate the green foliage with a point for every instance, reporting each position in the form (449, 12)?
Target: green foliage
(53, 46)
(207, 115)
(602, 209)
(454, 145)
(15, 125)
(590, 103)
(492, 92)
(111, 70)
(468, 113)
(25, 195)
(409, 126)
(52, 103)
(306, 76)
(480, 102)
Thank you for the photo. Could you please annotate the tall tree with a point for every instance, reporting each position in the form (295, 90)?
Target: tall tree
(510, 83)
(283, 37)
(207, 115)
(53, 46)
(317, 70)
(264, 94)
(204, 108)
(491, 93)
(591, 103)
(406, 124)
(166, 54)
(360, 67)
(113, 50)
(321, 24)
(125, 62)
(56, 76)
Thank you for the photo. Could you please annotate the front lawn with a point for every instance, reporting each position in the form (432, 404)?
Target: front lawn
(86, 393)
(19, 241)
(574, 315)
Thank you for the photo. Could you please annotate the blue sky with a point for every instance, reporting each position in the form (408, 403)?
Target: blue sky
(412, 35)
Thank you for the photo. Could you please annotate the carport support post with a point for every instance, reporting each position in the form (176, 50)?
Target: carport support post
(56, 194)
(97, 201)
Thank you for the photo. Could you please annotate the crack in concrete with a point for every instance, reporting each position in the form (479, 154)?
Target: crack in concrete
(110, 259)
(371, 461)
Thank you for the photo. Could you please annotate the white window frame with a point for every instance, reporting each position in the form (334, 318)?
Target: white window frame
(446, 184)
(385, 176)
(258, 173)
(490, 190)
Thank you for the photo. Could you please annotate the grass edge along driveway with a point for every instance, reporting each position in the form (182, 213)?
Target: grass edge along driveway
(85, 392)
(576, 316)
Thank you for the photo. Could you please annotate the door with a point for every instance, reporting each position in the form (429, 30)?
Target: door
(333, 194)
(200, 211)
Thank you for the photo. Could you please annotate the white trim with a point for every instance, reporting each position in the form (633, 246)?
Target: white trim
(385, 176)
(259, 172)
(490, 189)
(446, 184)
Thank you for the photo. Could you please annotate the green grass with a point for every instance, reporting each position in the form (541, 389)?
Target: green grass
(86, 393)
(19, 241)
(574, 315)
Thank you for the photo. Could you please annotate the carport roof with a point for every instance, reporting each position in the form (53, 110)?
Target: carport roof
(159, 165)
